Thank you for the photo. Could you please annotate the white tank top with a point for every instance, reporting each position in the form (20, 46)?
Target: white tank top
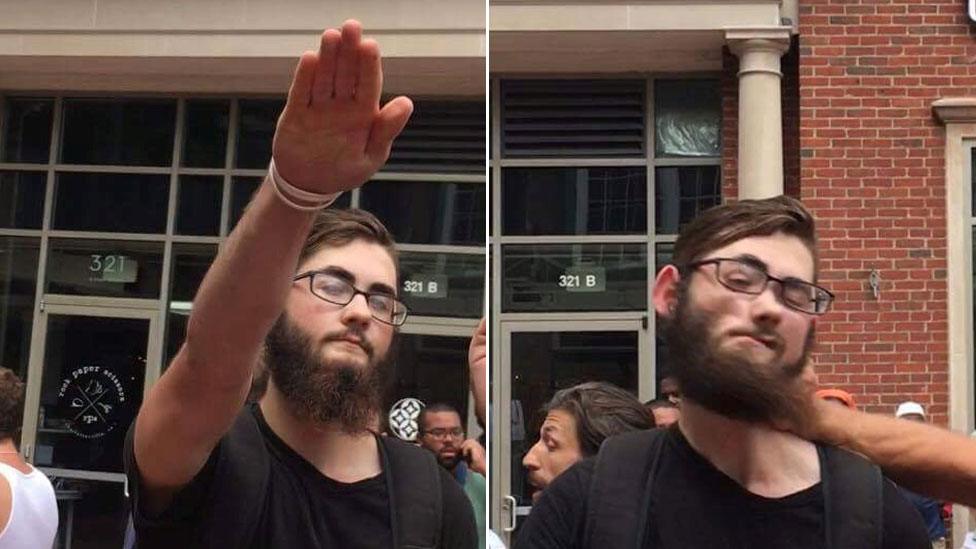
(33, 513)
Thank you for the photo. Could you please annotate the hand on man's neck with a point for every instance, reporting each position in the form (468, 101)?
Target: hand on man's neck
(760, 458)
(341, 456)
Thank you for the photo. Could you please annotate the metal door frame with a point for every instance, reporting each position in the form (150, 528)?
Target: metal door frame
(84, 306)
(501, 430)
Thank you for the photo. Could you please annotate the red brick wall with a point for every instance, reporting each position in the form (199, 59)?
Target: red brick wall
(872, 170)
(730, 125)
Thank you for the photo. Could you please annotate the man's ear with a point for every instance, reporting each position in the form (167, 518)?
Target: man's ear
(665, 291)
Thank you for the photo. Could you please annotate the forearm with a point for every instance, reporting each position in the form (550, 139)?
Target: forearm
(244, 291)
(923, 458)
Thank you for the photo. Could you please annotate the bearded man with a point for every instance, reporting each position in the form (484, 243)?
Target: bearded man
(312, 295)
(739, 307)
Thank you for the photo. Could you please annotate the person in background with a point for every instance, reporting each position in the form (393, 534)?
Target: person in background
(929, 508)
(664, 411)
(837, 395)
(28, 508)
(441, 433)
(578, 419)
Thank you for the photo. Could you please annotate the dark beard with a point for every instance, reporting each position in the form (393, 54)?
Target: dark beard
(733, 386)
(343, 395)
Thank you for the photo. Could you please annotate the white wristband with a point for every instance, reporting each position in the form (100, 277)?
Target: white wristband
(298, 199)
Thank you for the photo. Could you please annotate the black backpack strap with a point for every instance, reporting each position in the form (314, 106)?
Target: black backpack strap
(619, 502)
(243, 471)
(853, 500)
(413, 480)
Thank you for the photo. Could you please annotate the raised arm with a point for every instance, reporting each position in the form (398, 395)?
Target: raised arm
(331, 137)
(477, 363)
(924, 458)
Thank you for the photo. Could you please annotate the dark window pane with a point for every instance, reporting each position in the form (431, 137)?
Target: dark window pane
(241, 192)
(94, 370)
(681, 193)
(663, 253)
(688, 116)
(428, 213)
(205, 131)
(99, 512)
(22, 199)
(198, 204)
(243, 189)
(109, 268)
(255, 132)
(442, 284)
(129, 203)
(574, 277)
(579, 201)
(130, 132)
(28, 130)
(18, 278)
(426, 368)
(190, 264)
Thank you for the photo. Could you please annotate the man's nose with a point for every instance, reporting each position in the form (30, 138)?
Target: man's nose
(357, 310)
(531, 460)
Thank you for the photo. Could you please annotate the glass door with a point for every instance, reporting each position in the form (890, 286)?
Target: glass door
(93, 364)
(541, 357)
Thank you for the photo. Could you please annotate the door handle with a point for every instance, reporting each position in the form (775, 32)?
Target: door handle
(512, 504)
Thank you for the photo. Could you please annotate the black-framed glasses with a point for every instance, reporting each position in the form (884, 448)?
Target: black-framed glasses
(440, 434)
(747, 278)
(336, 290)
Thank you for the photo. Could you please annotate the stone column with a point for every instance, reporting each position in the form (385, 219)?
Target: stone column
(760, 109)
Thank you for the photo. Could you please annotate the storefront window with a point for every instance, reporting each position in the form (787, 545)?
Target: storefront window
(28, 130)
(18, 284)
(406, 207)
(687, 116)
(22, 199)
(113, 202)
(432, 369)
(190, 264)
(437, 284)
(109, 268)
(205, 134)
(127, 132)
(574, 277)
(198, 204)
(574, 201)
(681, 193)
(255, 132)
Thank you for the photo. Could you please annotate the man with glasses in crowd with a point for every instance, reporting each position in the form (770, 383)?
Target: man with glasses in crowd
(441, 433)
(315, 292)
(738, 306)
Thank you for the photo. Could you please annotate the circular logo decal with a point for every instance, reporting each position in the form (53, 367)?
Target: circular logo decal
(403, 418)
(91, 398)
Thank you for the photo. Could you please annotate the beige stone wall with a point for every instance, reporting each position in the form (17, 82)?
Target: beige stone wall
(434, 47)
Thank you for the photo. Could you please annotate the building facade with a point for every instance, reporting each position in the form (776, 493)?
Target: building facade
(132, 136)
(613, 124)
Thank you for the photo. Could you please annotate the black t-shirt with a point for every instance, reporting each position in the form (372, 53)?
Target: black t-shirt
(696, 505)
(302, 508)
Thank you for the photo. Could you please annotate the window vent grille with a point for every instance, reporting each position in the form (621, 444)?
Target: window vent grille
(578, 118)
(441, 137)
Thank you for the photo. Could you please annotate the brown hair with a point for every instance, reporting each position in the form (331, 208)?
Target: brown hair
(11, 403)
(338, 227)
(728, 223)
(600, 410)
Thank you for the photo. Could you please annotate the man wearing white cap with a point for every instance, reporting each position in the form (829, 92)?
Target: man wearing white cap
(930, 509)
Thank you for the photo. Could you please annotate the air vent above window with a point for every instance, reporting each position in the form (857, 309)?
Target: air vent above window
(442, 136)
(579, 118)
